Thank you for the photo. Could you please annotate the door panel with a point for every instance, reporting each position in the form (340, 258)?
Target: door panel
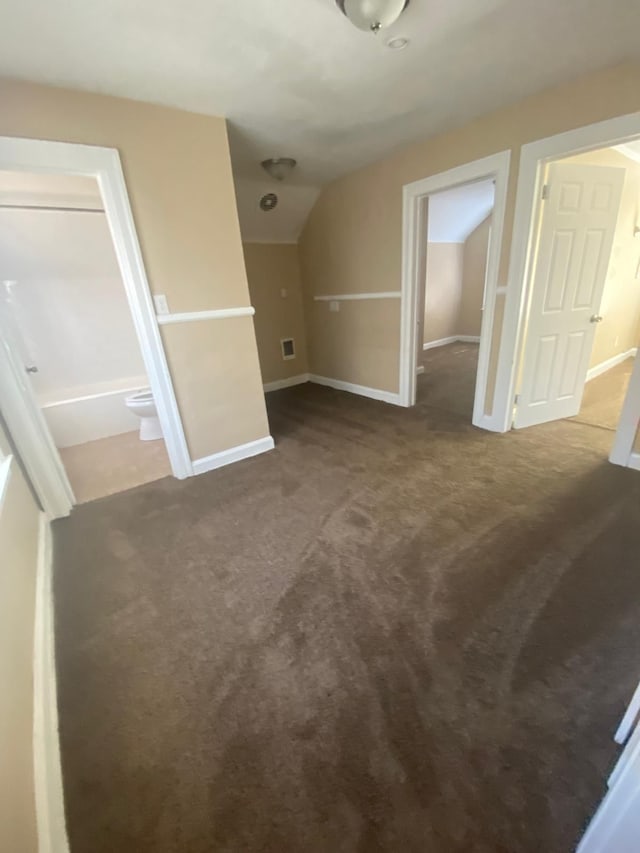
(577, 228)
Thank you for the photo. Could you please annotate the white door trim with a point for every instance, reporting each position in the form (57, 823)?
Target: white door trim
(622, 452)
(33, 155)
(414, 236)
(533, 158)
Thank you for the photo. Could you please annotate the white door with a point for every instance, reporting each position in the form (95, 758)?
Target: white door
(27, 427)
(579, 216)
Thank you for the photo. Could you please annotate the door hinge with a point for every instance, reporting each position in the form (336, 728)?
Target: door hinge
(545, 191)
(516, 399)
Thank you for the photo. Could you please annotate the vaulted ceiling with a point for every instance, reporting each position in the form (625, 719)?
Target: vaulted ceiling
(295, 78)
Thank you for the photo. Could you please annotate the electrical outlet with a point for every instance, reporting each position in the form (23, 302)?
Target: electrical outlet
(160, 301)
(334, 305)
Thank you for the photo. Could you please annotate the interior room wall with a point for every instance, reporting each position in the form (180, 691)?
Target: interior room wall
(352, 241)
(18, 547)
(69, 301)
(620, 307)
(178, 174)
(474, 268)
(443, 291)
(271, 269)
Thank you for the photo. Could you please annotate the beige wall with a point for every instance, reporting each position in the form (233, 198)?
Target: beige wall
(178, 174)
(620, 305)
(352, 240)
(270, 268)
(443, 291)
(18, 557)
(474, 268)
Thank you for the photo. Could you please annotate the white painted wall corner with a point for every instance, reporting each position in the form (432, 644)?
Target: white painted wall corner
(233, 454)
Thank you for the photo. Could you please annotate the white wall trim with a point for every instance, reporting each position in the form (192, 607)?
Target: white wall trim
(276, 385)
(440, 342)
(362, 390)
(622, 452)
(43, 156)
(49, 796)
(129, 389)
(614, 361)
(344, 297)
(234, 454)
(414, 198)
(213, 314)
(452, 339)
(533, 160)
(5, 476)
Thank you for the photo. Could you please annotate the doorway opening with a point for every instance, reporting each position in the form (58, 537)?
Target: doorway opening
(66, 318)
(453, 295)
(580, 326)
(28, 427)
(490, 171)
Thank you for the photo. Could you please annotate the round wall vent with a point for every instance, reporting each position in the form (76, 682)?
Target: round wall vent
(268, 201)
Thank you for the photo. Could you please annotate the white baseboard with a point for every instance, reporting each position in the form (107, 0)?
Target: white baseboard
(286, 383)
(614, 361)
(362, 390)
(453, 339)
(52, 831)
(234, 454)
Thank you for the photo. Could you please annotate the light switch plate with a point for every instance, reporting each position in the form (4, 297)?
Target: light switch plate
(334, 305)
(283, 292)
(160, 301)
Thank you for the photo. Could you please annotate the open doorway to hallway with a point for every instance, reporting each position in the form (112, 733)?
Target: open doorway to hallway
(583, 323)
(453, 296)
(65, 315)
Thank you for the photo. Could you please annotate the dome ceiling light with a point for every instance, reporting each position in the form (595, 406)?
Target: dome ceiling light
(372, 15)
(279, 167)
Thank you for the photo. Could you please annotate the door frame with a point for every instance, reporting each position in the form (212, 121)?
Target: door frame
(414, 240)
(30, 432)
(534, 157)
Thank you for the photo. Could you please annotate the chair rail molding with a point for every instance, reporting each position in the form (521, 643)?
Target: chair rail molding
(209, 314)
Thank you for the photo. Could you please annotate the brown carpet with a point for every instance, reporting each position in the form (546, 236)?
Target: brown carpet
(392, 633)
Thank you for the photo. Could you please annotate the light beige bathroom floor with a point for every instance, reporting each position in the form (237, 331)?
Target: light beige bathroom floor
(114, 464)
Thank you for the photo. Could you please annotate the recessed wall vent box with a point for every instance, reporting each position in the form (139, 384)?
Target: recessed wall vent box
(288, 348)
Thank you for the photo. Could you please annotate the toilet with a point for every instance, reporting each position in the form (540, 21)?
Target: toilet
(143, 405)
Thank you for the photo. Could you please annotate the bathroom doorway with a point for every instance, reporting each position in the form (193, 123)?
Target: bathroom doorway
(66, 314)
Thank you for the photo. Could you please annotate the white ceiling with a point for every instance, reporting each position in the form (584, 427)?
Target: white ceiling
(284, 222)
(455, 213)
(295, 78)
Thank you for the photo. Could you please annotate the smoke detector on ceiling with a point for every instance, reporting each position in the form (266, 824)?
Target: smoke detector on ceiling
(372, 15)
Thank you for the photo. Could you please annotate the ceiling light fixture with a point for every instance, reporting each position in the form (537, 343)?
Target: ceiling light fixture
(398, 43)
(372, 15)
(279, 167)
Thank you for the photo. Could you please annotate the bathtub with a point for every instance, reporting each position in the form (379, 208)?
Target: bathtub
(78, 415)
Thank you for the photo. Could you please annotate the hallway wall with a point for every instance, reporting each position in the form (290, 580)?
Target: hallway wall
(443, 291)
(474, 268)
(352, 241)
(270, 268)
(19, 550)
(178, 173)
